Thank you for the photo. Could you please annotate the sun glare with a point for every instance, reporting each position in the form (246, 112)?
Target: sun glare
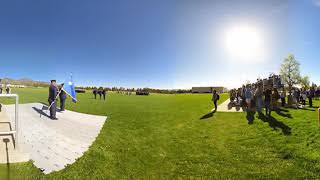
(244, 42)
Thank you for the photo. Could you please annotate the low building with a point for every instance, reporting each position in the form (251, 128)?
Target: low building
(209, 89)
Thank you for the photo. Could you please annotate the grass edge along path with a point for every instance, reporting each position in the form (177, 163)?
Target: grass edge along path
(163, 136)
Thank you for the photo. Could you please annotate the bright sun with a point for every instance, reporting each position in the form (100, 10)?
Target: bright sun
(244, 42)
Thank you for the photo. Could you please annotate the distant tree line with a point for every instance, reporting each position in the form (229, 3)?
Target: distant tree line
(150, 90)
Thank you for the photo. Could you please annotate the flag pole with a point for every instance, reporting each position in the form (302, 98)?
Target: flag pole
(55, 98)
(69, 95)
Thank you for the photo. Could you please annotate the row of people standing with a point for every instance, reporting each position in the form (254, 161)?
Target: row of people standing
(7, 89)
(124, 92)
(100, 92)
(259, 97)
(301, 95)
(255, 98)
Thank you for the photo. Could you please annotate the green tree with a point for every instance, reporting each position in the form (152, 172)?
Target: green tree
(290, 73)
(305, 82)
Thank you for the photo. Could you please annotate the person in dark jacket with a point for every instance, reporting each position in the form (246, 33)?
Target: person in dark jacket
(283, 97)
(215, 98)
(8, 90)
(310, 96)
(53, 91)
(104, 92)
(62, 97)
(100, 93)
(95, 93)
(267, 101)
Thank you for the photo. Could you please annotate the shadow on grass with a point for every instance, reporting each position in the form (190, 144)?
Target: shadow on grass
(283, 109)
(209, 115)
(274, 123)
(281, 113)
(313, 107)
(307, 108)
(250, 116)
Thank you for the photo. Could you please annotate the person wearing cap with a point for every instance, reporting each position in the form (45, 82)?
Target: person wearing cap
(62, 97)
(53, 91)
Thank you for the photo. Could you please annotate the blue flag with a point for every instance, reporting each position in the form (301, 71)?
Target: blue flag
(69, 88)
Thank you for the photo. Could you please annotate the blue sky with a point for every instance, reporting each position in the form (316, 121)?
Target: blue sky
(160, 44)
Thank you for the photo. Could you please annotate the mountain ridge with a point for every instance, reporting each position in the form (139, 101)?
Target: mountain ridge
(23, 81)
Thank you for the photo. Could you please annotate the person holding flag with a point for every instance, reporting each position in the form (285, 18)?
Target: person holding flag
(68, 88)
(62, 97)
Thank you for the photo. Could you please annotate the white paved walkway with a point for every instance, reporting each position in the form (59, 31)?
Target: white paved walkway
(225, 107)
(8, 152)
(53, 144)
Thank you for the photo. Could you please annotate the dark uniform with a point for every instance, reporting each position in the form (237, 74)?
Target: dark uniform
(8, 90)
(310, 96)
(63, 97)
(215, 98)
(267, 101)
(53, 91)
(95, 93)
(100, 93)
(104, 92)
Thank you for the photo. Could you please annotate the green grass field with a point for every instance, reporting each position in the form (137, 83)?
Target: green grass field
(164, 137)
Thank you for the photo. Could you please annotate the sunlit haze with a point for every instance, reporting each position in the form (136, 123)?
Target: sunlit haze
(244, 43)
(163, 44)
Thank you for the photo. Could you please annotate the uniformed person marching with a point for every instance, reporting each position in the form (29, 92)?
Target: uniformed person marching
(53, 91)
